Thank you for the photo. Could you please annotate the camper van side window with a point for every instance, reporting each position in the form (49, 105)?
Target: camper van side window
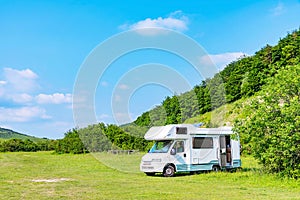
(179, 146)
(203, 143)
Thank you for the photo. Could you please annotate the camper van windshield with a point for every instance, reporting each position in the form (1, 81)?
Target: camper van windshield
(161, 146)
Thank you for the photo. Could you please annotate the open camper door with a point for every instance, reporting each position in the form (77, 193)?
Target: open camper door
(222, 151)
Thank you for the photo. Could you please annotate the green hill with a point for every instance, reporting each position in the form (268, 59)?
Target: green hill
(240, 80)
(6, 134)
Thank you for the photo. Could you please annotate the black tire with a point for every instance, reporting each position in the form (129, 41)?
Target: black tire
(150, 173)
(216, 168)
(169, 171)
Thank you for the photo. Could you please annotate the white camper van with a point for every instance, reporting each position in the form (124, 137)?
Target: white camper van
(187, 148)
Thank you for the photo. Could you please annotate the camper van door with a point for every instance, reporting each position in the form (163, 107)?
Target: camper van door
(223, 150)
(179, 152)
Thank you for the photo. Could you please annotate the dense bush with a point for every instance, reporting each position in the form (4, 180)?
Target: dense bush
(46, 144)
(123, 140)
(71, 143)
(14, 145)
(271, 133)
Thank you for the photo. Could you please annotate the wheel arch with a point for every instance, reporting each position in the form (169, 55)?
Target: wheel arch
(216, 168)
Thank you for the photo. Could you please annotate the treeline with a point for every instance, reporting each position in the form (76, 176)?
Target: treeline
(15, 145)
(99, 138)
(94, 138)
(240, 79)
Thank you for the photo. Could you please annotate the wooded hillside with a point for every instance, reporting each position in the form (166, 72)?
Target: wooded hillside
(240, 79)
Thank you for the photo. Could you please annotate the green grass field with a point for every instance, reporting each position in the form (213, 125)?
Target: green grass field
(43, 175)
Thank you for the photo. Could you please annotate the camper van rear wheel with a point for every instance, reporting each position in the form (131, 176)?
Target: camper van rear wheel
(215, 168)
(169, 171)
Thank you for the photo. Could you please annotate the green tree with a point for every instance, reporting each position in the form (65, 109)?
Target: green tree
(94, 138)
(29, 146)
(143, 120)
(71, 143)
(173, 111)
(46, 145)
(272, 131)
(203, 96)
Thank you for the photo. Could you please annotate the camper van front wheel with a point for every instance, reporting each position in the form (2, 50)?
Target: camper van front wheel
(169, 171)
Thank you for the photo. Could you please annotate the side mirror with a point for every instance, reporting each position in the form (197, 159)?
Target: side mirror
(173, 151)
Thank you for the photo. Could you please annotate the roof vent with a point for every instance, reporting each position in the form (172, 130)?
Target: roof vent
(181, 130)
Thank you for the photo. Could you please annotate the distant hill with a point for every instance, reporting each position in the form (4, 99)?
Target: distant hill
(6, 134)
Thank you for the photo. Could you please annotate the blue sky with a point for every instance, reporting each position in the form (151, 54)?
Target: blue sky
(44, 43)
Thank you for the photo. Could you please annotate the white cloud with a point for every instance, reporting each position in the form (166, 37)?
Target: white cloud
(21, 98)
(18, 87)
(222, 60)
(23, 114)
(57, 98)
(20, 80)
(169, 23)
(175, 21)
(17, 84)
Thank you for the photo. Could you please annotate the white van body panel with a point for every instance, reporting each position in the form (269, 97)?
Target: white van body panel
(203, 149)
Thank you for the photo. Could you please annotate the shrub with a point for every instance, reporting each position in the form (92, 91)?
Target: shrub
(272, 131)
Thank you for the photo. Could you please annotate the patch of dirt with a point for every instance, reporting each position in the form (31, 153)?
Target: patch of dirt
(53, 180)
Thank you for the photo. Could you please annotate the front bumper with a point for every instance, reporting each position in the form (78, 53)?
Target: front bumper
(148, 166)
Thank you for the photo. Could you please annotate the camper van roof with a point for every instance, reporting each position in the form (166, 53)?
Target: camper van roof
(181, 131)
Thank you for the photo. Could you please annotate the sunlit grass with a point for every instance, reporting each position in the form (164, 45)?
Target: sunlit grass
(84, 177)
(120, 162)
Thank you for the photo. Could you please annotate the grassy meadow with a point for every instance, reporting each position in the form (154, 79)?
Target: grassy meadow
(44, 175)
